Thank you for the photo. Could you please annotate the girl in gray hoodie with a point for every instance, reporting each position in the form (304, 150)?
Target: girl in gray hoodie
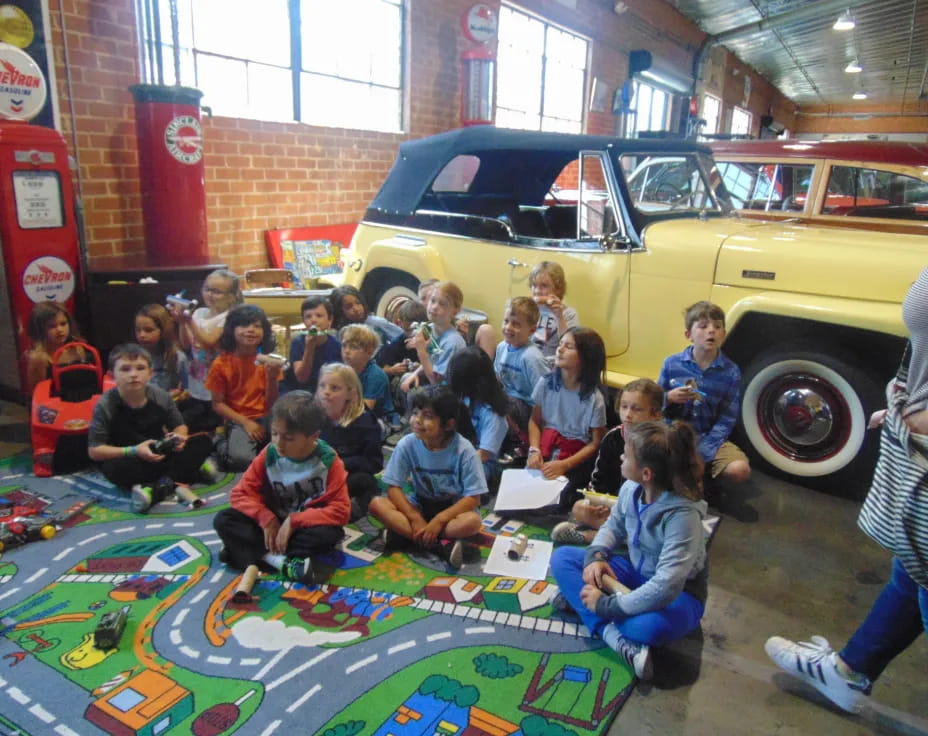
(657, 593)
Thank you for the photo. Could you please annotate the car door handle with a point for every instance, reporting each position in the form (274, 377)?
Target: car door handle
(513, 263)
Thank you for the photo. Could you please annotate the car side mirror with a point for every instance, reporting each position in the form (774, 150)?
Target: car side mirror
(613, 241)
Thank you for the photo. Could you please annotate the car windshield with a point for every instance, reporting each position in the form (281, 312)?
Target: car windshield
(680, 183)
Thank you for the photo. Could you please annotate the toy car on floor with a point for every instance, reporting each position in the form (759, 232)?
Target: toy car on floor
(22, 524)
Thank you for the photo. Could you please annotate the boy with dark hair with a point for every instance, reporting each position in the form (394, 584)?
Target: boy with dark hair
(313, 349)
(703, 387)
(127, 424)
(396, 359)
(292, 502)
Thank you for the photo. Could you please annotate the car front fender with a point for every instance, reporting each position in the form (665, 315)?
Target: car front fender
(882, 317)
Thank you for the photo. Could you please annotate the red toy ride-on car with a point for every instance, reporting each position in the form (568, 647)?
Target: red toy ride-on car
(62, 407)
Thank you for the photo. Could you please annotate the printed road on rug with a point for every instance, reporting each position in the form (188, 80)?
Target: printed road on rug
(391, 643)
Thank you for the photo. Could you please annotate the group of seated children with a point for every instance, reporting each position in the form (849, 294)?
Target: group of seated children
(539, 388)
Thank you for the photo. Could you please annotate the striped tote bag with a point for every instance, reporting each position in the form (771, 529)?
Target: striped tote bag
(895, 511)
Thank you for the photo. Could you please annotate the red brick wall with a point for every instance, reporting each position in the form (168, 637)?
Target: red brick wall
(764, 97)
(270, 175)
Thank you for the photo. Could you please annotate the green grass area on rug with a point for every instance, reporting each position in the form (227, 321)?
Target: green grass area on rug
(392, 643)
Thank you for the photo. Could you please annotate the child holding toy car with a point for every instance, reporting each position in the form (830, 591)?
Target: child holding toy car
(127, 433)
(243, 382)
(437, 342)
(200, 330)
(702, 386)
(312, 350)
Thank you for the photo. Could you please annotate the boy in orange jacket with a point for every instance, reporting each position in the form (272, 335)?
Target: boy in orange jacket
(292, 502)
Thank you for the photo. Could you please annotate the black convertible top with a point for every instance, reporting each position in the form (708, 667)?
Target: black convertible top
(523, 164)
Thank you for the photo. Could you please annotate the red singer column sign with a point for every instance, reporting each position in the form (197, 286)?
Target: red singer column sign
(172, 174)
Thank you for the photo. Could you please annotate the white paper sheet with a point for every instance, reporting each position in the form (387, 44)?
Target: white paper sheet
(533, 565)
(527, 489)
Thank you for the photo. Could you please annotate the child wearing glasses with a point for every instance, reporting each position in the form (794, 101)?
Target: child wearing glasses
(199, 335)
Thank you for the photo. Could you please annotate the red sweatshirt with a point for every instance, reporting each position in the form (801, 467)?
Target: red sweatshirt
(312, 492)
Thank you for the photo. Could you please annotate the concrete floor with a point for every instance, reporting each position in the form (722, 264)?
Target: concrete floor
(801, 568)
(798, 566)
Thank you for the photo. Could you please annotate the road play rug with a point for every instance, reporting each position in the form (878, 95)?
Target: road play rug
(390, 643)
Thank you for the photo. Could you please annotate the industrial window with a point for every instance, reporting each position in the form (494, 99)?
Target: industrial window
(711, 111)
(313, 61)
(740, 121)
(541, 74)
(650, 110)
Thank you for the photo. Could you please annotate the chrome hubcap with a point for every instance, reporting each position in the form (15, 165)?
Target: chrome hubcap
(804, 417)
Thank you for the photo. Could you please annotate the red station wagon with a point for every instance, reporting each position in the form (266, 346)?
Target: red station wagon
(872, 185)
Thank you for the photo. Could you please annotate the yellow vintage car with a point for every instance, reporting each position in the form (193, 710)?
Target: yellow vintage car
(814, 316)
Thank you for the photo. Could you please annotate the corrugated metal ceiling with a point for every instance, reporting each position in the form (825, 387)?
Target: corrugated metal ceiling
(805, 58)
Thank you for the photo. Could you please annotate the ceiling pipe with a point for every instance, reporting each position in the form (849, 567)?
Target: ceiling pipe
(806, 12)
(862, 115)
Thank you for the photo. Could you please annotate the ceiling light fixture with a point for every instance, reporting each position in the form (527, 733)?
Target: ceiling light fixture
(845, 21)
(861, 95)
(854, 67)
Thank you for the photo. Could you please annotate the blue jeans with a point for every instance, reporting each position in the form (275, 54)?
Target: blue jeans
(897, 618)
(652, 627)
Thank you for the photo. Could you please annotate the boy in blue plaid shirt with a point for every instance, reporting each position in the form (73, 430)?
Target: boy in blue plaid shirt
(702, 387)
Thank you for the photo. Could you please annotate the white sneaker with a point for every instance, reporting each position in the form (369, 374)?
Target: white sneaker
(638, 655)
(455, 554)
(814, 662)
(141, 498)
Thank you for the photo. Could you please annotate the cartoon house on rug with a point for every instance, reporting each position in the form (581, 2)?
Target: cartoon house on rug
(148, 703)
(516, 595)
(151, 555)
(444, 707)
(452, 590)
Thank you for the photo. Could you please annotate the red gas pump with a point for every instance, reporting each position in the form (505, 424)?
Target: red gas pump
(478, 66)
(40, 255)
(39, 252)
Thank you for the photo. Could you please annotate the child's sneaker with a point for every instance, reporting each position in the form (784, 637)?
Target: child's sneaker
(638, 655)
(163, 488)
(141, 498)
(568, 532)
(298, 570)
(560, 604)
(455, 554)
(209, 471)
(393, 542)
(814, 662)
